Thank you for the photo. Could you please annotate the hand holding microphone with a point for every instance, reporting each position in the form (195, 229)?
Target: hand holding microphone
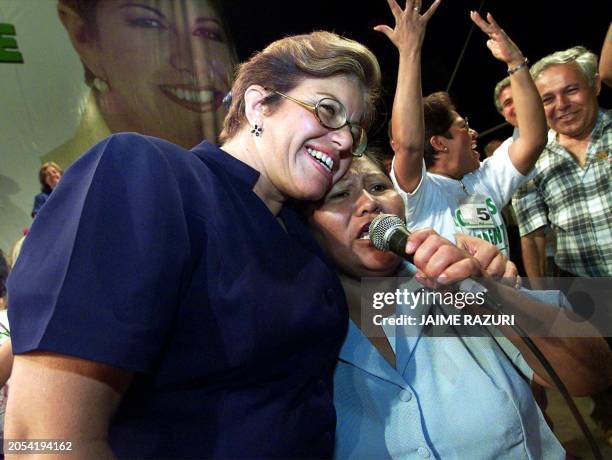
(434, 256)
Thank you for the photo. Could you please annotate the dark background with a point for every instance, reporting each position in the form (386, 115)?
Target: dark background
(539, 27)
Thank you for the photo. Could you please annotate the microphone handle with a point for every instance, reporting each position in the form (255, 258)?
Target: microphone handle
(396, 243)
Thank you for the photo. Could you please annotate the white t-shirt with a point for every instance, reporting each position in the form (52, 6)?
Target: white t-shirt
(472, 205)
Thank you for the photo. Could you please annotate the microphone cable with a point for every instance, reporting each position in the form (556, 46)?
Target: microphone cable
(562, 389)
(494, 304)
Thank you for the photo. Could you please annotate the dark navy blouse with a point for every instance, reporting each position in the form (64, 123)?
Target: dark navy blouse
(163, 261)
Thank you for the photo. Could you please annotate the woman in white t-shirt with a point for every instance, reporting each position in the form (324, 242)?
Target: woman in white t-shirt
(436, 167)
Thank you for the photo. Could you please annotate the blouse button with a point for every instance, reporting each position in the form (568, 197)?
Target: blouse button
(423, 452)
(405, 395)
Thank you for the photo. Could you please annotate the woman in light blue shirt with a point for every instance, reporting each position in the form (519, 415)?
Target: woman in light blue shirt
(400, 394)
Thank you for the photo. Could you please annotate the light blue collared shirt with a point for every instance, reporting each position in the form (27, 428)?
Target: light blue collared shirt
(448, 398)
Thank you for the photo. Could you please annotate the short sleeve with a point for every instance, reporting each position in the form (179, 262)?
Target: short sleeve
(99, 274)
(415, 200)
(498, 175)
(530, 208)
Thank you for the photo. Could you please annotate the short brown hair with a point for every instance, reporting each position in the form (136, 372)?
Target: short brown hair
(438, 114)
(283, 64)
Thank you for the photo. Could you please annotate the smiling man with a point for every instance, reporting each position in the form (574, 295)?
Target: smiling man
(571, 189)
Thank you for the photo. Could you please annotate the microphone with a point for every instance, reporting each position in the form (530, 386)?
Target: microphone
(388, 232)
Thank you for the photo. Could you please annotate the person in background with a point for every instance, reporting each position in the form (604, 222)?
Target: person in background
(605, 63)
(504, 103)
(440, 177)
(186, 311)
(156, 67)
(49, 176)
(571, 188)
(491, 147)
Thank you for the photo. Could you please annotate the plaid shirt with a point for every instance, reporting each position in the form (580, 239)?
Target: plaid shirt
(576, 201)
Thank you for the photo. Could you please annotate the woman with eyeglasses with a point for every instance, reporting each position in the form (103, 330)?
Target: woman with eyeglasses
(442, 182)
(186, 311)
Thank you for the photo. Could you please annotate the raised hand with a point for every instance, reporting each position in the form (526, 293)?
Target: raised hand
(501, 46)
(410, 24)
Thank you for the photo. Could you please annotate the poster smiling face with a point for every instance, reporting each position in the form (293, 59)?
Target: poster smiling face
(67, 83)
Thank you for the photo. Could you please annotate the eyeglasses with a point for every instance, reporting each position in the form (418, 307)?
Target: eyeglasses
(466, 124)
(332, 115)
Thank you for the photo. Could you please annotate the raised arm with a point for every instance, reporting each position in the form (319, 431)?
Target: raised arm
(407, 117)
(57, 397)
(605, 61)
(524, 152)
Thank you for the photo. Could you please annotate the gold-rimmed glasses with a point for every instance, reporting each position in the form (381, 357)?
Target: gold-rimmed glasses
(332, 115)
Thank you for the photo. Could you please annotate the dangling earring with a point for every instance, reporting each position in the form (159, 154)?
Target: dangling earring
(101, 85)
(257, 130)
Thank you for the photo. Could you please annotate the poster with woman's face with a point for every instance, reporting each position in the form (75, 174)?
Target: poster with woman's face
(75, 71)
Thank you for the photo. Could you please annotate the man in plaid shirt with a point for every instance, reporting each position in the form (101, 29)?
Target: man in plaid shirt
(571, 188)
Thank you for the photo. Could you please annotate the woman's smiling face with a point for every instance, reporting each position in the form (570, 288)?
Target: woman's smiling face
(168, 66)
(303, 158)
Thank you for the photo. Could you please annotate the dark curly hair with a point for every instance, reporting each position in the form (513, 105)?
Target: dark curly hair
(438, 113)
